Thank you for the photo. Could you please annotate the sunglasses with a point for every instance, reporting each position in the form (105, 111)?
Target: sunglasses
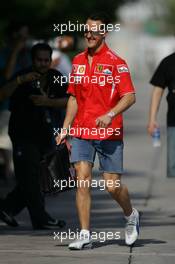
(93, 33)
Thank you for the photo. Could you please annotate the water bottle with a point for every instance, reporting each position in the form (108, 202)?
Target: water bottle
(38, 84)
(156, 137)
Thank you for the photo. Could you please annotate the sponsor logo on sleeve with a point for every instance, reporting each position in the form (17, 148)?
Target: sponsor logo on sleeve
(122, 68)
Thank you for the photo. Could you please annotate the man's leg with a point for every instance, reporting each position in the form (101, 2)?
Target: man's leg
(83, 196)
(118, 191)
(82, 155)
(26, 157)
(14, 202)
(171, 152)
(40, 218)
(111, 163)
(120, 194)
(83, 203)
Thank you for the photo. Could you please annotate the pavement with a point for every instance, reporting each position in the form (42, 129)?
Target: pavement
(151, 192)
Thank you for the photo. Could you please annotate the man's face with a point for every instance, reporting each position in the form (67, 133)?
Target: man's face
(42, 61)
(93, 34)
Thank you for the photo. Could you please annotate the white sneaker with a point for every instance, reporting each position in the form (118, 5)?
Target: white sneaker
(84, 241)
(132, 228)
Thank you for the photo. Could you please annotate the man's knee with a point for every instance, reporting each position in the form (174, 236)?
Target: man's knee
(113, 183)
(83, 170)
(83, 175)
(114, 190)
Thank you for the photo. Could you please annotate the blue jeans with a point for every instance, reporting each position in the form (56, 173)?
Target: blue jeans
(110, 153)
(171, 152)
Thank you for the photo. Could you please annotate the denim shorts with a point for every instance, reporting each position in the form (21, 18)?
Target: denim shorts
(110, 153)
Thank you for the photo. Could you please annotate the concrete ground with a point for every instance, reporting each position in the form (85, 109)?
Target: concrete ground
(151, 192)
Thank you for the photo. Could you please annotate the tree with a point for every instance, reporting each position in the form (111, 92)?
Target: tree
(41, 14)
(170, 18)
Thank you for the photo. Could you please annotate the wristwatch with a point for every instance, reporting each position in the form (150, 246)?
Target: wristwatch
(111, 114)
(64, 131)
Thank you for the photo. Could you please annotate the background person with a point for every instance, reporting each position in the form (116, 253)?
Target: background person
(14, 56)
(164, 77)
(60, 58)
(32, 109)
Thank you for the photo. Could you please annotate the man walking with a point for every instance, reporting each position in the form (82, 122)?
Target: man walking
(162, 78)
(102, 90)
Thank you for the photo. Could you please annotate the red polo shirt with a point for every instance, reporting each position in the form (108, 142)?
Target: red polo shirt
(97, 89)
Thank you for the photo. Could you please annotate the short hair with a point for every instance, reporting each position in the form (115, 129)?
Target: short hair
(103, 17)
(40, 46)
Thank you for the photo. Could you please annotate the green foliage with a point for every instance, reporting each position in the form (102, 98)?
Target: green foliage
(170, 18)
(41, 14)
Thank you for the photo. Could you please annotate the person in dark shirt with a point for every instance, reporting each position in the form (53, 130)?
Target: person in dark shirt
(164, 77)
(14, 56)
(35, 106)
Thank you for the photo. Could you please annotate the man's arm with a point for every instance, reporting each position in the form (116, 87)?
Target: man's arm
(71, 111)
(11, 62)
(60, 99)
(8, 89)
(125, 102)
(43, 100)
(58, 103)
(154, 107)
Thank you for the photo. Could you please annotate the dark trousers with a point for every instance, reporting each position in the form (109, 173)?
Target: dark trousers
(26, 157)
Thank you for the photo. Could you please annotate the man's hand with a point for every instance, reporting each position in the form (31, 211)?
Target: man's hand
(103, 121)
(154, 107)
(31, 76)
(151, 127)
(60, 137)
(40, 100)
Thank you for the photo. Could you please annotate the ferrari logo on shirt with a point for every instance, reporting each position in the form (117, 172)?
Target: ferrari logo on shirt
(99, 68)
(103, 68)
(79, 69)
(122, 68)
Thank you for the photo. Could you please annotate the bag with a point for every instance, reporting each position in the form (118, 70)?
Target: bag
(56, 172)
